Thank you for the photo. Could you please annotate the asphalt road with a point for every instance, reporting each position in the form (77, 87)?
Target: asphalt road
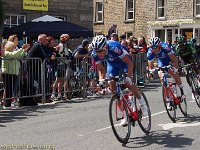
(84, 125)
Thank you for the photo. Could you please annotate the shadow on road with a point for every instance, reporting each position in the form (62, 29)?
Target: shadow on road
(22, 113)
(160, 137)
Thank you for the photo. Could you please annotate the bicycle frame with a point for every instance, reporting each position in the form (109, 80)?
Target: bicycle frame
(176, 99)
(124, 98)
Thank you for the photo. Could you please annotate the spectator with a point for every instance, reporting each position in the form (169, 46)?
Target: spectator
(10, 69)
(112, 29)
(133, 41)
(50, 65)
(38, 50)
(114, 37)
(142, 45)
(14, 39)
(81, 53)
(65, 54)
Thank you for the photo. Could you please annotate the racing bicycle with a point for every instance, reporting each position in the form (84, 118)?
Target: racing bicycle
(121, 107)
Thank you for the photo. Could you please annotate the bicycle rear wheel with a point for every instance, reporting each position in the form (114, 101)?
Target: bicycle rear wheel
(116, 114)
(183, 103)
(172, 111)
(195, 90)
(144, 121)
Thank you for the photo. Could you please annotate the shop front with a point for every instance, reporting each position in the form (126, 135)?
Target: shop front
(171, 29)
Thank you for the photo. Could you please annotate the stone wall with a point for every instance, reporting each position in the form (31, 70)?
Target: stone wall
(76, 11)
(145, 10)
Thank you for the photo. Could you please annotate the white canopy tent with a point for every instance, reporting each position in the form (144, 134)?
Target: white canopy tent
(46, 18)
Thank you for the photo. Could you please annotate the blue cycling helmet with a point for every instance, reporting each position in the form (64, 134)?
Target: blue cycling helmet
(99, 42)
(154, 42)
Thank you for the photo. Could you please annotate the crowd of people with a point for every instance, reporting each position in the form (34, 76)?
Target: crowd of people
(61, 63)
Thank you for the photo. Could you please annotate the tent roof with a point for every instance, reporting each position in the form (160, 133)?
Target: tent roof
(55, 28)
(46, 18)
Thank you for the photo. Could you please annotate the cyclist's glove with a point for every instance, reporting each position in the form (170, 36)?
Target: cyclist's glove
(175, 70)
(128, 80)
(102, 83)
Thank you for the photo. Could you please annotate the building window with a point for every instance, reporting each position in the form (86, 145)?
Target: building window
(129, 15)
(99, 12)
(61, 17)
(160, 8)
(14, 20)
(128, 34)
(197, 8)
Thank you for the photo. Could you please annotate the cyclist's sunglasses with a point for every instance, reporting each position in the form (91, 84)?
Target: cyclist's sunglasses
(181, 44)
(100, 50)
(153, 47)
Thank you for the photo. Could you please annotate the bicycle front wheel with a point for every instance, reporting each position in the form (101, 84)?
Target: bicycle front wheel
(144, 119)
(195, 90)
(172, 111)
(117, 112)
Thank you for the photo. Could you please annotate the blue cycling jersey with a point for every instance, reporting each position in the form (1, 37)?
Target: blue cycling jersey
(115, 53)
(162, 56)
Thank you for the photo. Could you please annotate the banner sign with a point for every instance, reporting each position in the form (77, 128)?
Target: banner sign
(41, 5)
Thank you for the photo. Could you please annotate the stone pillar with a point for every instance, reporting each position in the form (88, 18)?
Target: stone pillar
(165, 35)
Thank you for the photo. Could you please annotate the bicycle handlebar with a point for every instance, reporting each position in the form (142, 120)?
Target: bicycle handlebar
(161, 68)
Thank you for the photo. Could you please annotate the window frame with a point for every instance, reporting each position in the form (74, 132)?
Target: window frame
(64, 18)
(99, 12)
(195, 9)
(157, 9)
(128, 34)
(10, 19)
(129, 11)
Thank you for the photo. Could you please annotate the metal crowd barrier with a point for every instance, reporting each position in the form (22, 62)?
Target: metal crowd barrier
(71, 75)
(26, 83)
(37, 78)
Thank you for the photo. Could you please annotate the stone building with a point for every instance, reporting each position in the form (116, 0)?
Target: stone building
(164, 18)
(75, 11)
(172, 18)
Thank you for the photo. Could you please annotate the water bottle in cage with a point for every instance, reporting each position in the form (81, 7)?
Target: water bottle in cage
(131, 102)
(174, 88)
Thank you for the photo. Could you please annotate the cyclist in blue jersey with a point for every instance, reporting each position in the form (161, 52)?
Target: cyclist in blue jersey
(163, 52)
(117, 60)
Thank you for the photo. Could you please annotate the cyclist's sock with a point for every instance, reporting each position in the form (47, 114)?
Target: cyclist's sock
(59, 95)
(53, 94)
(182, 91)
(181, 85)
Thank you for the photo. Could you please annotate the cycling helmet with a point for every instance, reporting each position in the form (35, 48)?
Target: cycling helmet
(193, 40)
(181, 40)
(99, 42)
(154, 42)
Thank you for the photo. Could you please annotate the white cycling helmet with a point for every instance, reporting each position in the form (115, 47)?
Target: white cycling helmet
(154, 42)
(99, 42)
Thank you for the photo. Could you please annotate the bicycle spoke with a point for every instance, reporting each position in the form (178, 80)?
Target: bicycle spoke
(144, 121)
(117, 114)
(172, 111)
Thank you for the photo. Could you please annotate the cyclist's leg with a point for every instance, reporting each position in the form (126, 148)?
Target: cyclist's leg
(178, 80)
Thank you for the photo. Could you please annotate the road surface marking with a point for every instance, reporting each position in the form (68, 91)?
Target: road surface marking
(168, 126)
(115, 125)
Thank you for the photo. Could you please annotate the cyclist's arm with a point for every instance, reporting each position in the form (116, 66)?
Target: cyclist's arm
(101, 71)
(193, 50)
(150, 64)
(129, 63)
(173, 59)
(177, 50)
